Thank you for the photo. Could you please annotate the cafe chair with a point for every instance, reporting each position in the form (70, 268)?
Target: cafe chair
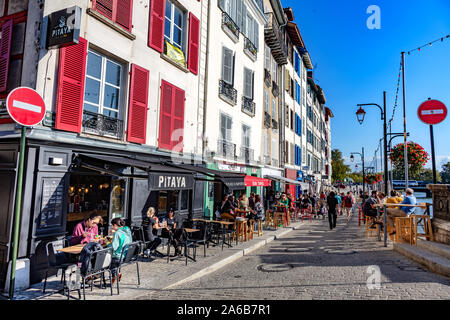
(189, 242)
(101, 263)
(56, 261)
(201, 238)
(129, 255)
(228, 232)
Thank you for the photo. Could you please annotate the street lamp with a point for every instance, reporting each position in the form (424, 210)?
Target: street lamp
(362, 160)
(360, 114)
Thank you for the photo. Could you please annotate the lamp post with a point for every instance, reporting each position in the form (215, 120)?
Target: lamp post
(394, 135)
(360, 114)
(362, 160)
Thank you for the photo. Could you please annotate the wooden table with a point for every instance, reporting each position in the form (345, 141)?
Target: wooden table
(423, 205)
(76, 249)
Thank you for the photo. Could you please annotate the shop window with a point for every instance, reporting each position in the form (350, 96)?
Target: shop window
(170, 199)
(102, 96)
(117, 198)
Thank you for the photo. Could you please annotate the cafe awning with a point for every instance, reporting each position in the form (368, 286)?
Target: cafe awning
(160, 176)
(284, 180)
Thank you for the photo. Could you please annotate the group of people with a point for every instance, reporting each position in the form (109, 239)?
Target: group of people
(375, 197)
(253, 205)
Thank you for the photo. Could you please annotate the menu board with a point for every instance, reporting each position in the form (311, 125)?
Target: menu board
(52, 203)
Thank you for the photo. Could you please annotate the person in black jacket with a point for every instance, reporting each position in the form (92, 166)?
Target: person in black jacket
(332, 202)
(151, 223)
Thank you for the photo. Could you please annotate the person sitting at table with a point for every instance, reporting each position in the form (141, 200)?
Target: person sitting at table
(306, 202)
(122, 237)
(233, 200)
(227, 208)
(151, 223)
(171, 228)
(251, 201)
(394, 198)
(86, 230)
(243, 202)
(392, 213)
(284, 201)
(259, 209)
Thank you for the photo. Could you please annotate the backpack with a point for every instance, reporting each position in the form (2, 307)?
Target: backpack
(348, 201)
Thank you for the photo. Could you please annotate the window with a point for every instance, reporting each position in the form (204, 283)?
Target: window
(174, 25)
(274, 149)
(303, 125)
(248, 83)
(274, 109)
(267, 63)
(118, 11)
(287, 117)
(274, 71)
(245, 136)
(227, 66)
(103, 86)
(266, 143)
(292, 120)
(225, 127)
(266, 100)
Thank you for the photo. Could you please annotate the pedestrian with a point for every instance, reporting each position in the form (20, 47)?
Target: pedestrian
(339, 200)
(332, 203)
(349, 201)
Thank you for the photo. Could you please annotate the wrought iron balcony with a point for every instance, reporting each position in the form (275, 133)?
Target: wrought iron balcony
(267, 77)
(227, 92)
(247, 154)
(275, 39)
(248, 106)
(267, 120)
(230, 27)
(274, 124)
(226, 149)
(250, 48)
(275, 90)
(102, 125)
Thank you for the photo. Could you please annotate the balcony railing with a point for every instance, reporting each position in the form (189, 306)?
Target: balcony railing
(267, 120)
(250, 48)
(248, 106)
(247, 154)
(267, 77)
(274, 124)
(229, 26)
(226, 149)
(275, 90)
(102, 125)
(275, 39)
(227, 92)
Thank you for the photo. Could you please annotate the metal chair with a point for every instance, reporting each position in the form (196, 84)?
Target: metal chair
(129, 255)
(56, 261)
(101, 263)
(202, 237)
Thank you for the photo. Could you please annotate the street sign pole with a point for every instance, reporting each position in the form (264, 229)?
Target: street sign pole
(17, 208)
(433, 158)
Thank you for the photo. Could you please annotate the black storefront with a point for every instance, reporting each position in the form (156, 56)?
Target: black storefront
(64, 184)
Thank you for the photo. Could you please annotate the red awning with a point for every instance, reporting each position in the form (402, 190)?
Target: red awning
(251, 181)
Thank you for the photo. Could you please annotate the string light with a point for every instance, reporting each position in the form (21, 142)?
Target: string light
(429, 44)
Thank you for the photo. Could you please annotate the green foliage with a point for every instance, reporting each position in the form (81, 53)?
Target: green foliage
(340, 170)
(424, 174)
(445, 173)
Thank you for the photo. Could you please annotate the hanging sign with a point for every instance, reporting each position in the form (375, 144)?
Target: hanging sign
(63, 27)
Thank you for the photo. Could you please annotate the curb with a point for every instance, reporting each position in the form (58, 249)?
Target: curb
(216, 266)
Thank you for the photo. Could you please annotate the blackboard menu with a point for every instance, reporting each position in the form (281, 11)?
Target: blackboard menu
(52, 203)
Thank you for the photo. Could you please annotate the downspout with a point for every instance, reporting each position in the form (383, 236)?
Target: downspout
(205, 89)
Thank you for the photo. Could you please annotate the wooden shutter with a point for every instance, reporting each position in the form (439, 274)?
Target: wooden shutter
(165, 118)
(239, 14)
(105, 7)
(194, 39)
(71, 75)
(227, 65)
(244, 19)
(256, 34)
(124, 10)
(137, 106)
(5, 49)
(178, 118)
(156, 24)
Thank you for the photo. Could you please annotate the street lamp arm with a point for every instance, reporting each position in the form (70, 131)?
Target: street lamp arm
(372, 104)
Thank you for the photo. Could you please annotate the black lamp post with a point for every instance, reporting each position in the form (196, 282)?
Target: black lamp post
(360, 114)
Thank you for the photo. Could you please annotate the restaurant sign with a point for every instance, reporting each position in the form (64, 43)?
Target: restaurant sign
(164, 181)
(63, 27)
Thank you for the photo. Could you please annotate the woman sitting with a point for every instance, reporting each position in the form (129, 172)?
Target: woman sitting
(171, 230)
(151, 223)
(87, 230)
(122, 237)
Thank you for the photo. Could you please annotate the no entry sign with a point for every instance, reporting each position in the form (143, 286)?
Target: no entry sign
(432, 112)
(25, 106)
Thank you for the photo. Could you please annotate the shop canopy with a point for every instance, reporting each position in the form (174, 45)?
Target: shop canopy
(160, 176)
(232, 180)
(284, 180)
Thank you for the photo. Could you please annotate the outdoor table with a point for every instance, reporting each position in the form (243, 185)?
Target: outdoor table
(241, 213)
(75, 249)
(386, 205)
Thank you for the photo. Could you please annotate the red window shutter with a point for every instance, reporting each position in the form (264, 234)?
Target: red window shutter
(165, 118)
(124, 10)
(137, 109)
(5, 49)
(71, 75)
(156, 24)
(178, 119)
(194, 39)
(105, 7)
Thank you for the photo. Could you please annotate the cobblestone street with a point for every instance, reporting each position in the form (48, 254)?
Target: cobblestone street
(316, 263)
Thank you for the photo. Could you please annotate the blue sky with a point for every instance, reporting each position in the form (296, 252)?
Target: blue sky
(356, 64)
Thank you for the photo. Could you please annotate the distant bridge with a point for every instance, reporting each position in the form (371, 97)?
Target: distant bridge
(417, 186)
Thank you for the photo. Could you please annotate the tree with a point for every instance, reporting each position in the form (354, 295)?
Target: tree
(445, 173)
(424, 174)
(340, 170)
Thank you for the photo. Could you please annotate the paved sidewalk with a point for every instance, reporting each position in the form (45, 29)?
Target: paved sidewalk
(157, 274)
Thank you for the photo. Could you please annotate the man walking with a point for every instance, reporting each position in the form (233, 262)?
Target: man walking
(349, 201)
(392, 213)
(332, 202)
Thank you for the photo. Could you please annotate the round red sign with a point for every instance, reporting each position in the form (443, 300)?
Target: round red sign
(432, 112)
(25, 106)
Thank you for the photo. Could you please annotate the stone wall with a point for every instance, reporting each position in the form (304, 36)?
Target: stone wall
(441, 212)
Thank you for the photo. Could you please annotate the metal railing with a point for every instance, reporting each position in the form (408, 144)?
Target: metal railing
(247, 154)
(267, 120)
(102, 125)
(250, 48)
(267, 77)
(227, 91)
(228, 23)
(226, 149)
(274, 124)
(275, 89)
(248, 106)
(275, 39)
